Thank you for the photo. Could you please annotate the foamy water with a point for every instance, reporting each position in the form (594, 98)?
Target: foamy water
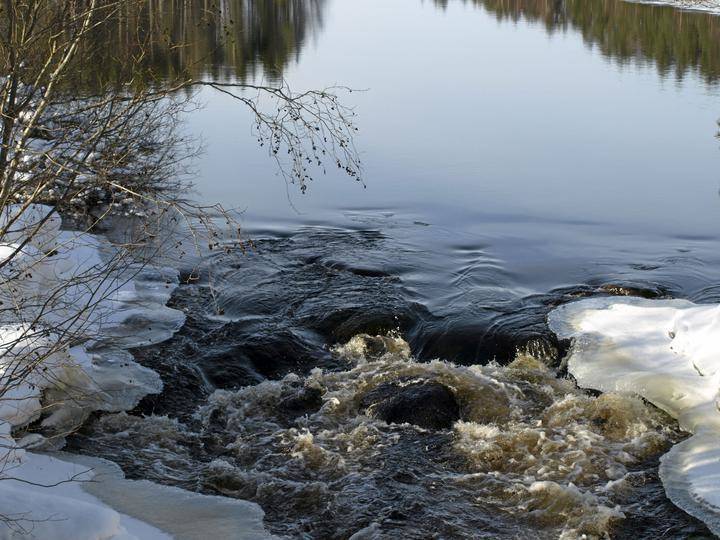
(531, 455)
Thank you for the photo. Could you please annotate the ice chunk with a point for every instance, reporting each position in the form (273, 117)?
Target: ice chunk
(85, 288)
(60, 283)
(43, 497)
(667, 351)
(27, 364)
(183, 514)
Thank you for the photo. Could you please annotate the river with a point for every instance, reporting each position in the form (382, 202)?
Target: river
(517, 155)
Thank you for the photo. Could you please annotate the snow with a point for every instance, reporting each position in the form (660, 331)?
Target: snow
(44, 497)
(667, 351)
(66, 497)
(36, 223)
(710, 6)
(183, 514)
(74, 283)
(55, 284)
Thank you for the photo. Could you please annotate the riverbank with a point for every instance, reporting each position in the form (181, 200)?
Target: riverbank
(72, 307)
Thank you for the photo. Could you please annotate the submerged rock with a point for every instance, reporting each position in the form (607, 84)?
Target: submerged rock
(241, 354)
(424, 403)
(305, 400)
(480, 342)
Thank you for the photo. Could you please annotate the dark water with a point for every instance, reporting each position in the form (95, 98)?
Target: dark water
(518, 155)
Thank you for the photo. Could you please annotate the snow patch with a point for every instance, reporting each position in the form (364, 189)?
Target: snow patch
(43, 497)
(57, 284)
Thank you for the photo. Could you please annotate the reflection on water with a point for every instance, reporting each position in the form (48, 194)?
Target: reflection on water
(231, 39)
(245, 38)
(674, 41)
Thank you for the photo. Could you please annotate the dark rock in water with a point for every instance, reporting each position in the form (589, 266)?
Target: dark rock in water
(306, 401)
(476, 343)
(427, 404)
(227, 370)
(644, 291)
(241, 354)
(183, 386)
(377, 346)
(547, 350)
(373, 317)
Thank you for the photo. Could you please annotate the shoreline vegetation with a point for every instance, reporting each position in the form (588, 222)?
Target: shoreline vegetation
(73, 303)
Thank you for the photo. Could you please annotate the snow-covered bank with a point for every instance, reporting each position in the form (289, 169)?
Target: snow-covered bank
(183, 514)
(71, 304)
(67, 497)
(667, 351)
(710, 6)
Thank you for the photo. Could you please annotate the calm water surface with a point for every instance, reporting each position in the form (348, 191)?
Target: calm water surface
(552, 139)
(518, 154)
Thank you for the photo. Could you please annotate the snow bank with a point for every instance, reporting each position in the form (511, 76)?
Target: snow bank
(67, 497)
(667, 351)
(59, 284)
(71, 304)
(183, 514)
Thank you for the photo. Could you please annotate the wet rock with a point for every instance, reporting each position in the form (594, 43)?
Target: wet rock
(470, 343)
(424, 403)
(376, 346)
(240, 354)
(373, 317)
(228, 370)
(548, 351)
(306, 400)
(182, 387)
(366, 347)
(643, 291)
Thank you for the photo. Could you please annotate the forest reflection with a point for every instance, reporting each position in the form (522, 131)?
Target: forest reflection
(245, 39)
(676, 42)
(220, 40)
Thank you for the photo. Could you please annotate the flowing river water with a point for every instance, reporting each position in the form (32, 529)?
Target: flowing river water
(518, 155)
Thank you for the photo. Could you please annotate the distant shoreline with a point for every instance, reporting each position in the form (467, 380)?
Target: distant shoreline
(707, 6)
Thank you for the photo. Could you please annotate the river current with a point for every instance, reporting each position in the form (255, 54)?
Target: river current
(517, 155)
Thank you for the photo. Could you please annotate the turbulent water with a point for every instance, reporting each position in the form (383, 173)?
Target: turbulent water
(532, 456)
(274, 390)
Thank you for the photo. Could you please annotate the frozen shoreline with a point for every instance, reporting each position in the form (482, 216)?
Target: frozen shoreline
(55, 283)
(68, 497)
(668, 352)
